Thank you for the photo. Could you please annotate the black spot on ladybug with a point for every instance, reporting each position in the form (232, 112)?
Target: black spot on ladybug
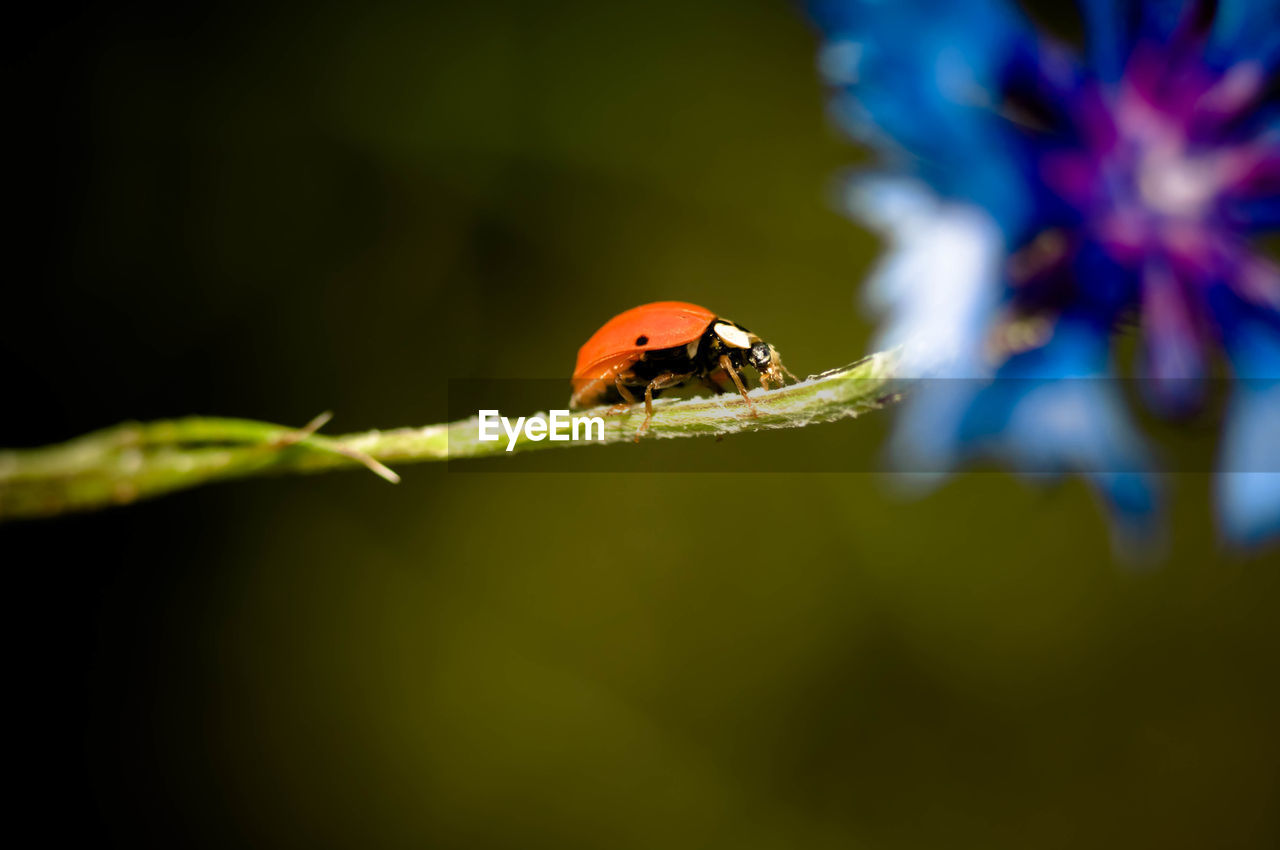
(642, 339)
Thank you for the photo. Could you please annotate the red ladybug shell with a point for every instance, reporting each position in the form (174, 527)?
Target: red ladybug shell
(627, 336)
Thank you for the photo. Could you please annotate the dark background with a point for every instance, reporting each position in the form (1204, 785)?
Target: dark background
(268, 210)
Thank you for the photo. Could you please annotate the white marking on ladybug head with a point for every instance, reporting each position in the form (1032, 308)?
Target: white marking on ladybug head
(732, 335)
(692, 348)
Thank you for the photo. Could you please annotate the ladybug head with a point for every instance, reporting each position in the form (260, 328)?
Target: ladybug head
(745, 348)
(764, 358)
(760, 356)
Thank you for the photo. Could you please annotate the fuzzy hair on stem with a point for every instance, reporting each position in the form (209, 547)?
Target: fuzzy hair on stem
(132, 461)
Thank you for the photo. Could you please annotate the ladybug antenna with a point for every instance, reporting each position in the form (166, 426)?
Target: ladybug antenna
(777, 359)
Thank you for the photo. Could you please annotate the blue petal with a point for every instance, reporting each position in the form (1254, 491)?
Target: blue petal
(1248, 30)
(1056, 409)
(1253, 340)
(1048, 412)
(1248, 502)
(1242, 29)
(920, 77)
(1249, 479)
(937, 289)
(940, 283)
(1110, 28)
(1255, 215)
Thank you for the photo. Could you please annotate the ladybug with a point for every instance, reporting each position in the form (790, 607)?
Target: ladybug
(666, 344)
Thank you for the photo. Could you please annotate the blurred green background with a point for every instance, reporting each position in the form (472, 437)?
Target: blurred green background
(268, 210)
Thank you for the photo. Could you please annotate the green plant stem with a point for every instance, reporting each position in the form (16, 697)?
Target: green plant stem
(133, 460)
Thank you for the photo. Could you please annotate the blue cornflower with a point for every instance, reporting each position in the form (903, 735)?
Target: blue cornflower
(1038, 199)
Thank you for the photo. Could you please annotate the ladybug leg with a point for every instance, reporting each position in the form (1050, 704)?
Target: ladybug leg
(662, 382)
(627, 398)
(737, 380)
